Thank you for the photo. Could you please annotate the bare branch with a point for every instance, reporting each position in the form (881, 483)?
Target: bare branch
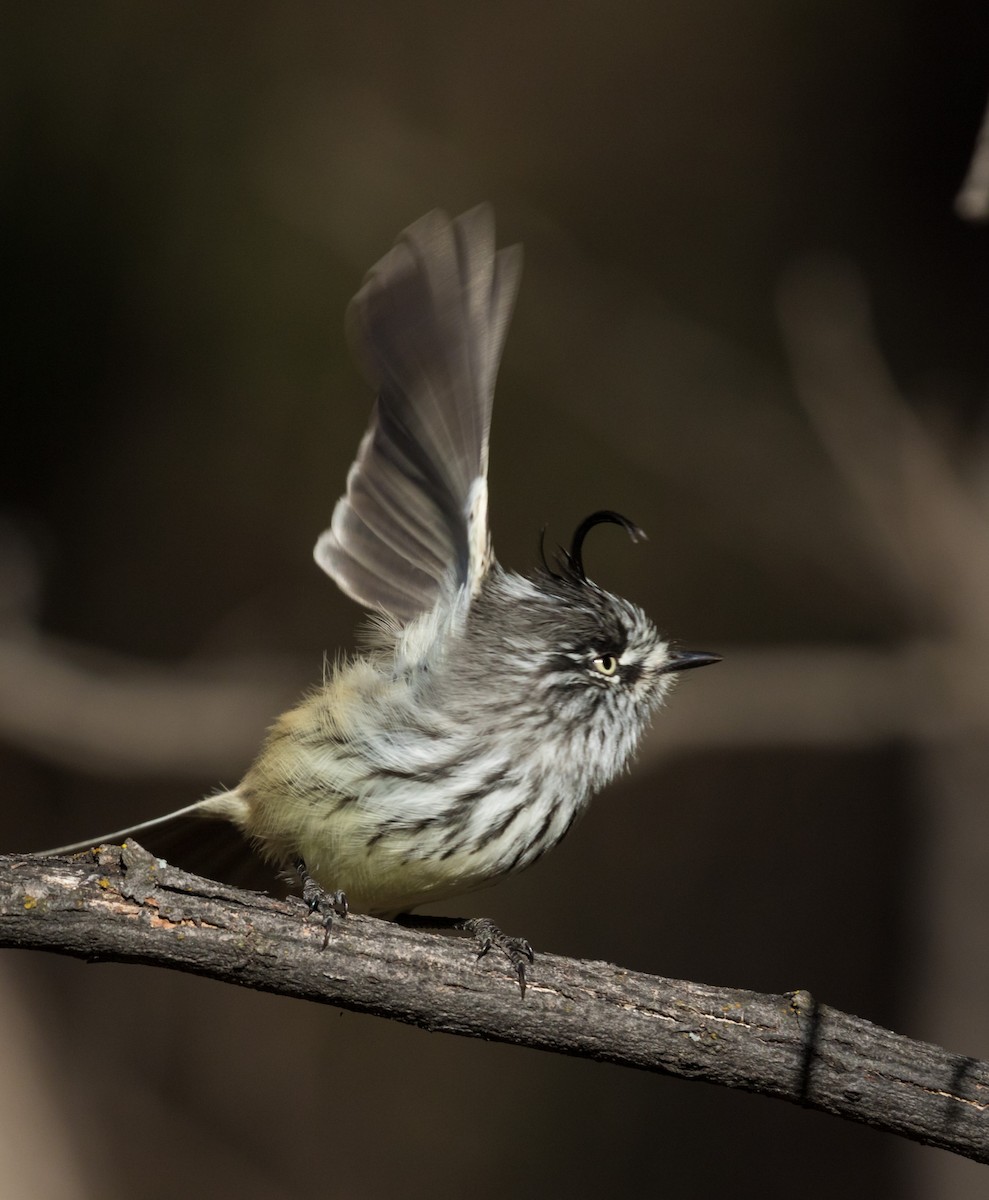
(89, 709)
(930, 528)
(972, 201)
(124, 905)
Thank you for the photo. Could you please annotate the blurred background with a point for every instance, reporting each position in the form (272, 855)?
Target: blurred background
(751, 318)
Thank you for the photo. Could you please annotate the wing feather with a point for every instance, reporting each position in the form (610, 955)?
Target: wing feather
(428, 328)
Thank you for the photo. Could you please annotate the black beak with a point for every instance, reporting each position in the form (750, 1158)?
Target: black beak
(686, 660)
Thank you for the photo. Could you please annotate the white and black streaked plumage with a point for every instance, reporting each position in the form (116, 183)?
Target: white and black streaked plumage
(489, 706)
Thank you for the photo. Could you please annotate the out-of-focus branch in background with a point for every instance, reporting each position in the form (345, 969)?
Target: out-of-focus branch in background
(972, 201)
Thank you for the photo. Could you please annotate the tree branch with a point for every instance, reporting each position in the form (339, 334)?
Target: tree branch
(972, 201)
(123, 905)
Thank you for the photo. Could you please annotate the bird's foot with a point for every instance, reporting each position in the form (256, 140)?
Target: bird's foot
(318, 900)
(486, 933)
(517, 950)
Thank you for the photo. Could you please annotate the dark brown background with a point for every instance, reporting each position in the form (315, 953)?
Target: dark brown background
(192, 193)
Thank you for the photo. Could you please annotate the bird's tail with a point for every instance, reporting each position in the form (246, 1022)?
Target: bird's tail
(216, 848)
(227, 806)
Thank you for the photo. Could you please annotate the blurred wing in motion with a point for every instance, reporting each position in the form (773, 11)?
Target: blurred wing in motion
(427, 327)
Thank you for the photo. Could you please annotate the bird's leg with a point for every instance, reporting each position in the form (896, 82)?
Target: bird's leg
(318, 899)
(487, 935)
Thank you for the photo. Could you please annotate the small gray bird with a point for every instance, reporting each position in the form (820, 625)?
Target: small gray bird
(488, 707)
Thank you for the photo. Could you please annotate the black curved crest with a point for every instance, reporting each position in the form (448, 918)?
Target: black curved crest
(575, 556)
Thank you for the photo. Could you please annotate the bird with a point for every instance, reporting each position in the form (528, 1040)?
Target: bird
(485, 707)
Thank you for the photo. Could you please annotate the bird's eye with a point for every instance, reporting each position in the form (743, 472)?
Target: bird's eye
(605, 664)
